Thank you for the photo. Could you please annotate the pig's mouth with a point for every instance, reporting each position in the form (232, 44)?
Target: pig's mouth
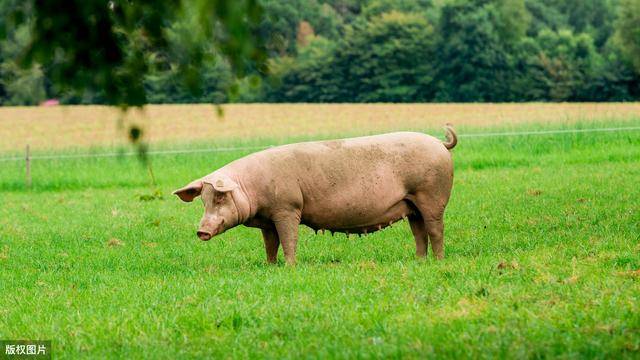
(206, 235)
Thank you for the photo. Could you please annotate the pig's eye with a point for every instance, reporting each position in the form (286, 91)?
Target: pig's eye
(219, 198)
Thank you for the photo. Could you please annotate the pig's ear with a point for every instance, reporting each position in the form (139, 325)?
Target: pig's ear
(224, 184)
(189, 192)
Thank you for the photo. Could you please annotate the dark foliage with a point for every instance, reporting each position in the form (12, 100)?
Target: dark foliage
(135, 52)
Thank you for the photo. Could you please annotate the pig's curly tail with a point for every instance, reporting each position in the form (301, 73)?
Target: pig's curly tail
(452, 138)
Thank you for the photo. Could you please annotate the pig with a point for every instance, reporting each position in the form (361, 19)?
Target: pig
(356, 185)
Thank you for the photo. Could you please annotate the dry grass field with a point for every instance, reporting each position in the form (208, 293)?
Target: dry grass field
(99, 126)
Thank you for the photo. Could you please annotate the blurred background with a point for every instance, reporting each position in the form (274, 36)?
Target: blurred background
(213, 51)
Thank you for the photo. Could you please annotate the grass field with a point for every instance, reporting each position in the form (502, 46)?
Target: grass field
(542, 260)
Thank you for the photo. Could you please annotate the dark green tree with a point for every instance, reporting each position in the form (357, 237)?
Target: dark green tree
(105, 47)
(282, 18)
(308, 77)
(378, 7)
(389, 58)
(544, 15)
(475, 45)
(348, 10)
(614, 79)
(594, 17)
(628, 31)
(18, 85)
(207, 80)
(130, 53)
(557, 66)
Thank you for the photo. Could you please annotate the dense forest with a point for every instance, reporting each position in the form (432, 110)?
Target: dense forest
(388, 51)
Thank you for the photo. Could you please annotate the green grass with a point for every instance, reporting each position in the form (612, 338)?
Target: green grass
(542, 241)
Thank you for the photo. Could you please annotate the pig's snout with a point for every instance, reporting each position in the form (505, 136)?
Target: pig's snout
(207, 230)
(204, 235)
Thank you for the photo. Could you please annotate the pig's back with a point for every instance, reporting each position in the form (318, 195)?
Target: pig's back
(402, 155)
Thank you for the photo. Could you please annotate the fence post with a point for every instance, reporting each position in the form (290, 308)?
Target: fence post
(28, 162)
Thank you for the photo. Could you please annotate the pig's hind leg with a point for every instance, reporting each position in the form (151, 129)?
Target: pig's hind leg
(431, 207)
(419, 233)
(435, 229)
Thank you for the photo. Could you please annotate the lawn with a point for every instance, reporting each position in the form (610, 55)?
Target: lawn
(542, 239)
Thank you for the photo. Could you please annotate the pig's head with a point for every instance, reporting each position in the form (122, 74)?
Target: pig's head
(224, 203)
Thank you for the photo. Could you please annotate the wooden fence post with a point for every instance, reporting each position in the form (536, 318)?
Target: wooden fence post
(28, 174)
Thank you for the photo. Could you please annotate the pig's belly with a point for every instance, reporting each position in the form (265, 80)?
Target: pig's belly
(359, 217)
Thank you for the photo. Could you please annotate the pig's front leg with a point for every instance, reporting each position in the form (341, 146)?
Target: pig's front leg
(287, 224)
(271, 243)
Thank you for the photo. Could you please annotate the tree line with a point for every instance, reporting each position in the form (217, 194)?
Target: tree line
(374, 51)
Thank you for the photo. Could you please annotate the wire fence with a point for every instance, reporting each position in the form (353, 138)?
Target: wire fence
(551, 132)
(246, 148)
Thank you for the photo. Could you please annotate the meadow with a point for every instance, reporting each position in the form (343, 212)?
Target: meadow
(542, 241)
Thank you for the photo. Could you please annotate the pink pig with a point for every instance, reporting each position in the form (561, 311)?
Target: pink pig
(358, 185)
